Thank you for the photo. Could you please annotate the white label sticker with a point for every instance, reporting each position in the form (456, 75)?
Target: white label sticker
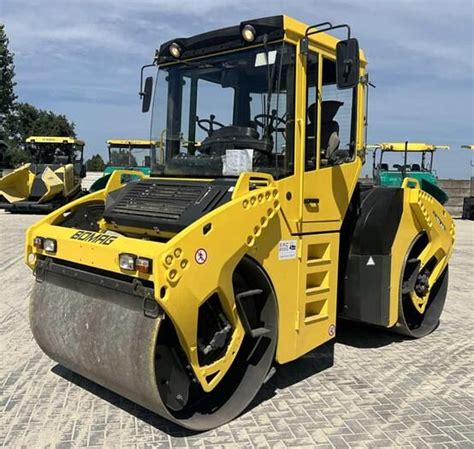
(261, 58)
(370, 261)
(287, 249)
(236, 162)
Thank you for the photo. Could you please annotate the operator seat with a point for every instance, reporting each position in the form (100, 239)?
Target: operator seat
(329, 132)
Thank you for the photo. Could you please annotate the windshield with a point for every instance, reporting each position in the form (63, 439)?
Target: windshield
(55, 153)
(125, 156)
(415, 161)
(222, 115)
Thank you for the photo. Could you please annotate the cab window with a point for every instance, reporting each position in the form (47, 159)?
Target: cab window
(337, 141)
(312, 127)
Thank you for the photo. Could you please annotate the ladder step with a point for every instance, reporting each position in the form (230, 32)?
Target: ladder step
(317, 262)
(316, 290)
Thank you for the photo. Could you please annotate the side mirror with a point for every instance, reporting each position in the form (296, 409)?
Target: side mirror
(347, 63)
(146, 94)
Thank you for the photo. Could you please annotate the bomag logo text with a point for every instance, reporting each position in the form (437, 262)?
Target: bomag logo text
(93, 237)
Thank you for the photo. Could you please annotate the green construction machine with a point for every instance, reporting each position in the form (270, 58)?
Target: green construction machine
(409, 160)
(125, 154)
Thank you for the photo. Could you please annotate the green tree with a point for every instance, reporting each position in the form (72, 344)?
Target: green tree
(21, 120)
(7, 85)
(31, 121)
(95, 163)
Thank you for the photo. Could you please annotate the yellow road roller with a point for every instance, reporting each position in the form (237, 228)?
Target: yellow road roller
(52, 178)
(181, 291)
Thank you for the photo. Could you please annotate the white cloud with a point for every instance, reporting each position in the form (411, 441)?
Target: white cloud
(83, 56)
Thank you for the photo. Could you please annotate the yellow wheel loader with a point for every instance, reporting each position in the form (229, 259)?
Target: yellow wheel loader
(52, 178)
(181, 291)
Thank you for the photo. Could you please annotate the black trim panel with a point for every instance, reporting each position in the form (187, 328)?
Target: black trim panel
(223, 39)
(365, 258)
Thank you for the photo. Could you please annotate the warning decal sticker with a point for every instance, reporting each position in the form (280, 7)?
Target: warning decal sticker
(200, 256)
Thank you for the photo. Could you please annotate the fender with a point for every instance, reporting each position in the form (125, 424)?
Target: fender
(369, 231)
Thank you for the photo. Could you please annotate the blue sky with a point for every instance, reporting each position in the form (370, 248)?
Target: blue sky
(82, 58)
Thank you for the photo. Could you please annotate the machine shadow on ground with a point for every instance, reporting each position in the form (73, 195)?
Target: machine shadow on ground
(360, 335)
(316, 361)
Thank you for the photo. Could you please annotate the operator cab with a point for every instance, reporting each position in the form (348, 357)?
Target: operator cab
(131, 154)
(55, 152)
(218, 113)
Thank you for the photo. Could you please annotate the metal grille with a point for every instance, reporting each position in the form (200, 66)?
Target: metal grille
(157, 200)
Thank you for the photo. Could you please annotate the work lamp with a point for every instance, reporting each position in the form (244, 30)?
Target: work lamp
(175, 50)
(248, 33)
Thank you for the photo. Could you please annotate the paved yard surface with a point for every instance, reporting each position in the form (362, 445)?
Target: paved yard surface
(369, 389)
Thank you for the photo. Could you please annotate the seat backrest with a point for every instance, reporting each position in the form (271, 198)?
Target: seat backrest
(383, 166)
(329, 127)
(416, 167)
(329, 138)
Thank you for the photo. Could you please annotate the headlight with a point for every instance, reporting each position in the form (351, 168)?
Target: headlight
(248, 33)
(127, 262)
(175, 50)
(50, 245)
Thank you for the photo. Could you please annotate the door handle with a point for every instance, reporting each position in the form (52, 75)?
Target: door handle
(311, 201)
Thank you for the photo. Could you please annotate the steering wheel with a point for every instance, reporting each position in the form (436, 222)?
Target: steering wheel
(210, 122)
(272, 121)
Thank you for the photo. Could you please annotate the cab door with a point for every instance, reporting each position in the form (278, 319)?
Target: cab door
(331, 168)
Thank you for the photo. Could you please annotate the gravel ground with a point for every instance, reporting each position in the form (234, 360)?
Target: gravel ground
(368, 389)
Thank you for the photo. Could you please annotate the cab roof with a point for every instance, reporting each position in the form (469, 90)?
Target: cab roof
(54, 139)
(230, 38)
(411, 146)
(132, 142)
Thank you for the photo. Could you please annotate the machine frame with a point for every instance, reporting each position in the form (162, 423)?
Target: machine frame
(310, 235)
